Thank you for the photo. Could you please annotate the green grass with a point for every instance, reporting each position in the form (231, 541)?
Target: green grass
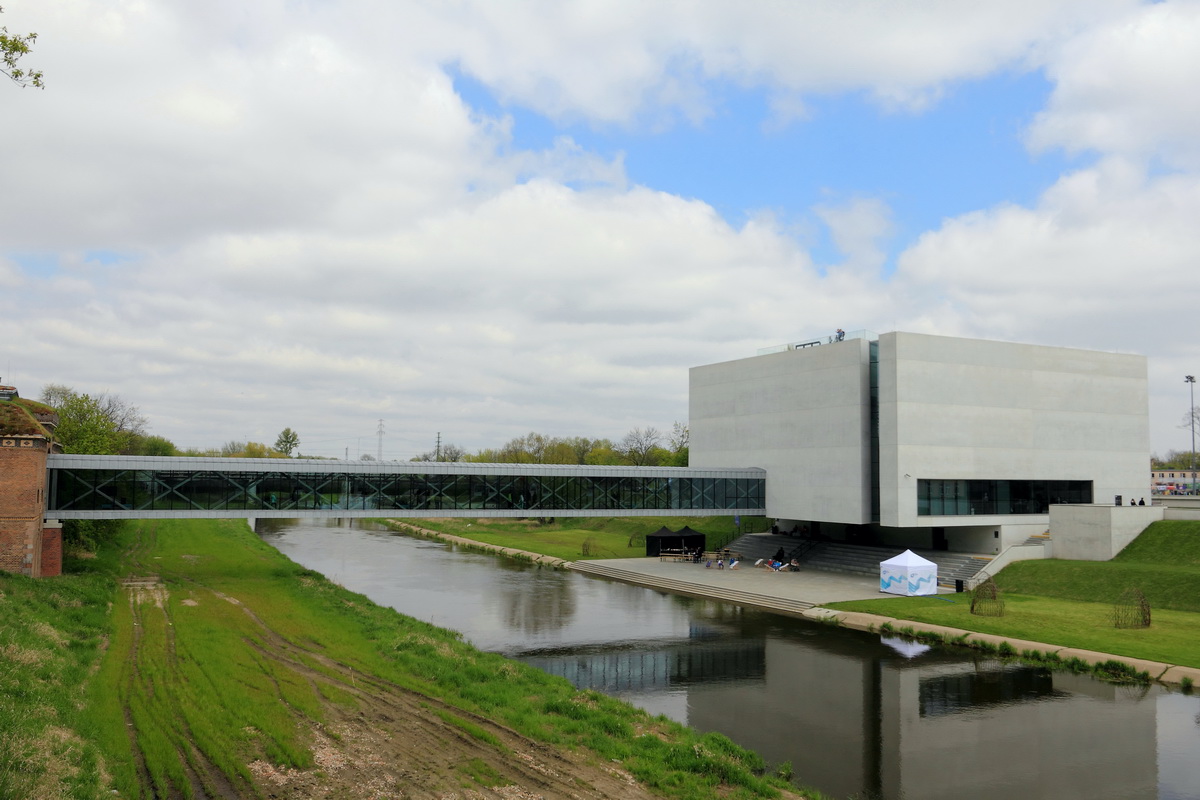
(1070, 603)
(1173, 638)
(1164, 563)
(600, 537)
(192, 671)
(53, 632)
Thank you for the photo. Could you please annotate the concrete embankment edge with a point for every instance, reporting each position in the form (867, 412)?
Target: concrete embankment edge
(857, 620)
(512, 552)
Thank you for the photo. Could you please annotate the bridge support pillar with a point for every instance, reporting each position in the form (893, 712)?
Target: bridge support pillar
(23, 506)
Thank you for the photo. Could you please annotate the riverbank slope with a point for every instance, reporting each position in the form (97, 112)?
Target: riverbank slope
(195, 660)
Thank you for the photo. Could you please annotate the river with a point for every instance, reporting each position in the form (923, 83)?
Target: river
(855, 714)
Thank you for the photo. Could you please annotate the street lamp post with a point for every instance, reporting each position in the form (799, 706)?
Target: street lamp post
(1190, 380)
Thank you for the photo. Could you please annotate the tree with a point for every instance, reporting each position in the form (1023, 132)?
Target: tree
(83, 427)
(453, 453)
(125, 421)
(153, 446)
(678, 441)
(259, 450)
(287, 442)
(448, 452)
(12, 48)
(639, 445)
(602, 455)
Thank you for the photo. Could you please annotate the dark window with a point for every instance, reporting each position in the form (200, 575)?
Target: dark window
(942, 497)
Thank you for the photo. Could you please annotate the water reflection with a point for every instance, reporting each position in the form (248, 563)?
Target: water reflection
(537, 607)
(856, 715)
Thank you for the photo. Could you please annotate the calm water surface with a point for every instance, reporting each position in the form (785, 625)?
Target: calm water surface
(855, 714)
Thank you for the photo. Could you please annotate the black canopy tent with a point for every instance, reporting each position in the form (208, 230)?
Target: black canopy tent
(666, 539)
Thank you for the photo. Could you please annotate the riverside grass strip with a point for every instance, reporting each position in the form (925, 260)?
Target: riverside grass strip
(219, 675)
(1070, 603)
(606, 537)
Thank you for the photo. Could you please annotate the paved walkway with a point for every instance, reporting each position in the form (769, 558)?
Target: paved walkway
(808, 587)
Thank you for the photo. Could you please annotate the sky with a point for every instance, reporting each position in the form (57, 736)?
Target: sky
(480, 219)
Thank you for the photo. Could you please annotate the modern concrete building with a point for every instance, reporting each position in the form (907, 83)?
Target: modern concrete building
(927, 441)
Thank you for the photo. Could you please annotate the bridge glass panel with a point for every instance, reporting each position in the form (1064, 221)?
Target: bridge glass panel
(98, 490)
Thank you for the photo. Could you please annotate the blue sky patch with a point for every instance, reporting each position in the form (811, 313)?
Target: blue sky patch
(964, 153)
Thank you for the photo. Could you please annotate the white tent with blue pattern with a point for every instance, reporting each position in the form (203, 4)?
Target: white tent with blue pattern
(908, 574)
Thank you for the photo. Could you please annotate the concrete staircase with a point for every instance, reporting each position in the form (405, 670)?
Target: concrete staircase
(864, 560)
(1038, 538)
(675, 586)
(754, 546)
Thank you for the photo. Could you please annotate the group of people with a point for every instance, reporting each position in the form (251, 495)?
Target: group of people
(776, 563)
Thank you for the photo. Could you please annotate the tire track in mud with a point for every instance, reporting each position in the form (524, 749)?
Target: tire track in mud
(396, 743)
(146, 590)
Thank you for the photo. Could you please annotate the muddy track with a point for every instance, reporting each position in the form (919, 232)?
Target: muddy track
(388, 741)
(147, 595)
(399, 743)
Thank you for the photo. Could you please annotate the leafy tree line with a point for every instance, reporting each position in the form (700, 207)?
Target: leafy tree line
(641, 447)
(1175, 459)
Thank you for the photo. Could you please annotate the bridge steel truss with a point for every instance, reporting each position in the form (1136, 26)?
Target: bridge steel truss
(137, 487)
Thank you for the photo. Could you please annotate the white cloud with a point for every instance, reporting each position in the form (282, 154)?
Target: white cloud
(1129, 87)
(266, 213)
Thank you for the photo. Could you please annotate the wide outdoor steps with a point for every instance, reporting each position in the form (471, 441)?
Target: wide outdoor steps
(856, 558)
(754, 546)
(863, 559)
(734, 596)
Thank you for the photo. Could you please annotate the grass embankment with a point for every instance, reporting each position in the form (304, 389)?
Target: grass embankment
(235, 669)
(582, 538)
(1070, 603)
(52, 635)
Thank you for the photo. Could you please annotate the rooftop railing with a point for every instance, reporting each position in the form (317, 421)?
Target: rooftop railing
(817, 341)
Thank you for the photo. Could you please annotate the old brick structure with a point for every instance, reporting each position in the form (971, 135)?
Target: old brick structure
(28, 544)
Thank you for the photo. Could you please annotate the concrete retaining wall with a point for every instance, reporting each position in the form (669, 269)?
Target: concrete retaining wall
(1098, 532)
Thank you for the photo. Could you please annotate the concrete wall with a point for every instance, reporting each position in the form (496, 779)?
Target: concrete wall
(1098, 532)
(803, 415)
(1180, 506)
(955, 408)
(22, 503)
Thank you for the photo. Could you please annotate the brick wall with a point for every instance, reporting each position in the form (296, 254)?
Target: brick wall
(22, 503)
(52, 550)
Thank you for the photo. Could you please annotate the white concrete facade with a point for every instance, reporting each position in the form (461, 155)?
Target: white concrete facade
(950, 409)
(802, 415)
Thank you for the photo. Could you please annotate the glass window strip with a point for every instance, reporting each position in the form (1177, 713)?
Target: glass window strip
(78, 489)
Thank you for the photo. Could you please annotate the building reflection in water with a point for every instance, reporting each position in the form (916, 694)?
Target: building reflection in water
(856, 717)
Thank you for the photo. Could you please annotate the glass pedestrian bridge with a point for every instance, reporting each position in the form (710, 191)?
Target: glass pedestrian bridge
(140, 487)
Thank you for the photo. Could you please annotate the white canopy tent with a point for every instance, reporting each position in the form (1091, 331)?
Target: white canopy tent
(908, 574)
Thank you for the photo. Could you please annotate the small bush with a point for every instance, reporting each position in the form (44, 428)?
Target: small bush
(1120, 672)
(1186, 685)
